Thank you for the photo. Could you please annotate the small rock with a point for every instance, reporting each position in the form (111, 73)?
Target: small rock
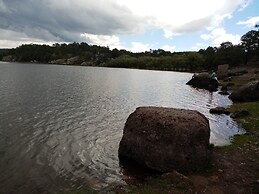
(219, 110)
(220, 170)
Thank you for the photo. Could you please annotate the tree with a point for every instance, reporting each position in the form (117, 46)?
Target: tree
(209, 57)
(250, 44)
(250, 41)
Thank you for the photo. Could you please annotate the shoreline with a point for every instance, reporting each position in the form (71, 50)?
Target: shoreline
(80, 65)
(234, 168)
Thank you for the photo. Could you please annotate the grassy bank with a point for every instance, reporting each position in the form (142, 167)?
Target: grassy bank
(249, 123)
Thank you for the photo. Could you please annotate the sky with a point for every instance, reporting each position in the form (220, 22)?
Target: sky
(134, 25)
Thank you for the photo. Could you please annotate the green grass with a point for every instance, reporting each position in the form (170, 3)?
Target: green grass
(249, 123)
(236, 83)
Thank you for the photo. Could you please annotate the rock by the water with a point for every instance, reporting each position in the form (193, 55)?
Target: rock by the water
(249, 92)
(166, 139)
(219, 110)
(222, 71)
(203, 81)
(9, 58)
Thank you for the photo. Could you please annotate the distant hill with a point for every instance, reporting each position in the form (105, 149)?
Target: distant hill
(92, 55)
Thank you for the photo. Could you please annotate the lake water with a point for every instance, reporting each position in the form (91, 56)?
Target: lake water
(60, 126)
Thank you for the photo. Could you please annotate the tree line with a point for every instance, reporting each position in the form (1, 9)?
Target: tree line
(247, 52)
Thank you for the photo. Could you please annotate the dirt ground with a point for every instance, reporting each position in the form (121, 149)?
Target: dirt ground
(235, 171)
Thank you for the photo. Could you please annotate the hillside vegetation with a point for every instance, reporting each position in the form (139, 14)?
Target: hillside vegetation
(92, 55)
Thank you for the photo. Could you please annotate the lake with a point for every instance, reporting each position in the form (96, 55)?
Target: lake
(60, 126)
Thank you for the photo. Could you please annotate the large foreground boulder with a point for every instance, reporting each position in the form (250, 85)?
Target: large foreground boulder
(166, 139)
(203, 81)
(249, 92)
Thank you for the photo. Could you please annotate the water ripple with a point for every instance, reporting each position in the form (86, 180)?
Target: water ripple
(61, 126)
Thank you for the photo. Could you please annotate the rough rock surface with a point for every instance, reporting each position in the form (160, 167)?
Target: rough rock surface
(222, 71)
(203, 81)
(166, 139)
(249, 92)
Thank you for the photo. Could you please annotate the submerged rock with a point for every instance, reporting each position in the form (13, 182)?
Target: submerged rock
(225, 93)
(249, 92)
(166, 139)
(203, 81)
(219, 110)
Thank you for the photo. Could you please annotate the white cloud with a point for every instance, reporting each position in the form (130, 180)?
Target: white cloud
(245, 5)
(168, 48)
(184, 16)
(139, 47)
(219, 35)
(14, 43)
(251, 22)
(17, 39)
(198, 46)
(67, 20)
(102, 40)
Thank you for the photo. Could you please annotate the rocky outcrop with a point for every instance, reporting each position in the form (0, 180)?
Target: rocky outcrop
(166, 139)
(74, 61)
(59, 62)
(222, 71)
(249, 92)
(70, 61)
(203, 81)
(9, 58)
